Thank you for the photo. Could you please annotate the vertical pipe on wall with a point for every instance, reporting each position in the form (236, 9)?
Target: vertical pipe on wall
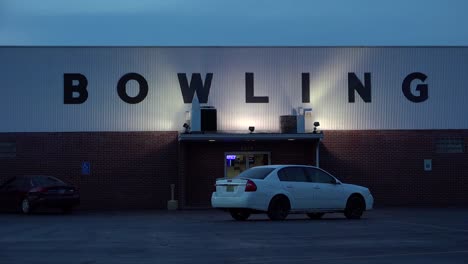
(317, 152)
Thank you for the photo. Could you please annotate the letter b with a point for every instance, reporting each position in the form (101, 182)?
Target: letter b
(69, 88)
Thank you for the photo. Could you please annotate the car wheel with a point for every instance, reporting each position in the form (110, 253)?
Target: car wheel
(26, 206)
(315, 215)
(279, 208)
(239, 214)
(354, 207)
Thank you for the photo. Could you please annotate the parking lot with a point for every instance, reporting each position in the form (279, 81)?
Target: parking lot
(384, 236)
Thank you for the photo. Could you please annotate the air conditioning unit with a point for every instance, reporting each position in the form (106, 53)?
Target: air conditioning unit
(208, 119)
(288, 124)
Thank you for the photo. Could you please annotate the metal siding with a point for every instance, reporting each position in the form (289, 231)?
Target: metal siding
(32, 87)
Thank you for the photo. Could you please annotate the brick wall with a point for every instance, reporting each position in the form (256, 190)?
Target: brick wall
(128, 169)
(135, 169)
(391, 164)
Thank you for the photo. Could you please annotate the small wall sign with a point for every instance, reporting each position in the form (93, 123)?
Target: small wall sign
(427, 165)
(86, 168)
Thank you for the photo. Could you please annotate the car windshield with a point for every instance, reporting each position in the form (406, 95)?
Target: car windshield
(46, 181)
(255, 173)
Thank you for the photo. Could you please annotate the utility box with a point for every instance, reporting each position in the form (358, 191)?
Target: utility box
(288, 124)
(208, 119)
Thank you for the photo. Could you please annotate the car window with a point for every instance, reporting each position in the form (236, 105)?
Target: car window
(24, 183)
(294, 174)
(322, 177)
(255, 173)
(45, 181)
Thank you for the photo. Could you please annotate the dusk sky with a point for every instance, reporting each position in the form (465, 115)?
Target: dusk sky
(234, 23)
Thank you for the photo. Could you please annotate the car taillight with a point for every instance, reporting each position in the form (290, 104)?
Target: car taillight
(38, 190)
(250, 186)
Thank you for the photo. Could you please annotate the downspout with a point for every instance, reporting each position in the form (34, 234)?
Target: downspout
(317, 153)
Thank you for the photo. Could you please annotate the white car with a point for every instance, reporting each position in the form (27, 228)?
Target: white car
(279, 190)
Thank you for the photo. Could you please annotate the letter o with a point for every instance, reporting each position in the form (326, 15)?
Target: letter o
(122, 88)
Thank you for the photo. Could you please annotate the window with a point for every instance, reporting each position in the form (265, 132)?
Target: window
(255, 173)
(322, 177)
(450, 145)
(293, 174)
(46, 181)
(7, 149)
(319, 176)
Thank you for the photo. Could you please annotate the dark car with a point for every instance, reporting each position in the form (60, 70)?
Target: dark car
(28, 193)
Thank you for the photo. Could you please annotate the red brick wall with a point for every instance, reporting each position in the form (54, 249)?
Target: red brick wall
(135, 169)
(391, 164)
(128, 169)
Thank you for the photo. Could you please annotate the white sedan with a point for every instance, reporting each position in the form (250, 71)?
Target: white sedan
(280, 190)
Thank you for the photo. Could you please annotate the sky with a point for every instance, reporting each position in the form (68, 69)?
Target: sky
(234, 22)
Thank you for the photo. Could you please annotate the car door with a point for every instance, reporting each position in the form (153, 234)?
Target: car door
(295, 181)
(329, 194)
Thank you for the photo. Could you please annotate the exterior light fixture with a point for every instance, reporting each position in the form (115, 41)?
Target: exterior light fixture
(187, 127)
(251, 129)
(211, 140)
(316, 124)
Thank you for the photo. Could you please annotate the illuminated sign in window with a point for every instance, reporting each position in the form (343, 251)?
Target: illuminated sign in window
(230, 157)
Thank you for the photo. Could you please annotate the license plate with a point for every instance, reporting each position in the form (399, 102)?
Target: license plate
(229, 188)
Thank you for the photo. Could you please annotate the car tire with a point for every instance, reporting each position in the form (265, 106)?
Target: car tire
(315, 215)
(355, 207)
(279, 208)
(239, 214)
(25, 206)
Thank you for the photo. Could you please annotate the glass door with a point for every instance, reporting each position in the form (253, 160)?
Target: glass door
(237, 162)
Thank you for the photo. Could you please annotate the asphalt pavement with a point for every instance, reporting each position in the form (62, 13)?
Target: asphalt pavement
(388, 235)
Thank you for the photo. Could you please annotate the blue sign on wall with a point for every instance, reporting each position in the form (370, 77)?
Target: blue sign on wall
(86, 168)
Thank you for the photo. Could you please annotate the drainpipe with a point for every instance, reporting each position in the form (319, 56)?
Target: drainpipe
(317, 153)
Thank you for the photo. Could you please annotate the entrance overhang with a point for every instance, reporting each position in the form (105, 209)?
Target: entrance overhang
(230, 137)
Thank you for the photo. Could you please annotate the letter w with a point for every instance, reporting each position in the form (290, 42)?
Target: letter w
(196, 84)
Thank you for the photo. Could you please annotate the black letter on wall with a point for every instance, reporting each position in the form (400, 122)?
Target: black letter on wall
(421, 88)
(305, 87)
(249, 90)
(354, 84)
(122, 88)
(196, 84)
(69, 88)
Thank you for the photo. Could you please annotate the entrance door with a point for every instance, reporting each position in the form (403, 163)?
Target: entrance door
(237, 162)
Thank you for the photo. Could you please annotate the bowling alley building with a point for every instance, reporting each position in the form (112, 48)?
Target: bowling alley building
(124, 123)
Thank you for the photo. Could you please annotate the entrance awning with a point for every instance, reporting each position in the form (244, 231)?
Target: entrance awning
(229, 137)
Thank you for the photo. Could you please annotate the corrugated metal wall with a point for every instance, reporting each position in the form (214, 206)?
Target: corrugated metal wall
(31, 85)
